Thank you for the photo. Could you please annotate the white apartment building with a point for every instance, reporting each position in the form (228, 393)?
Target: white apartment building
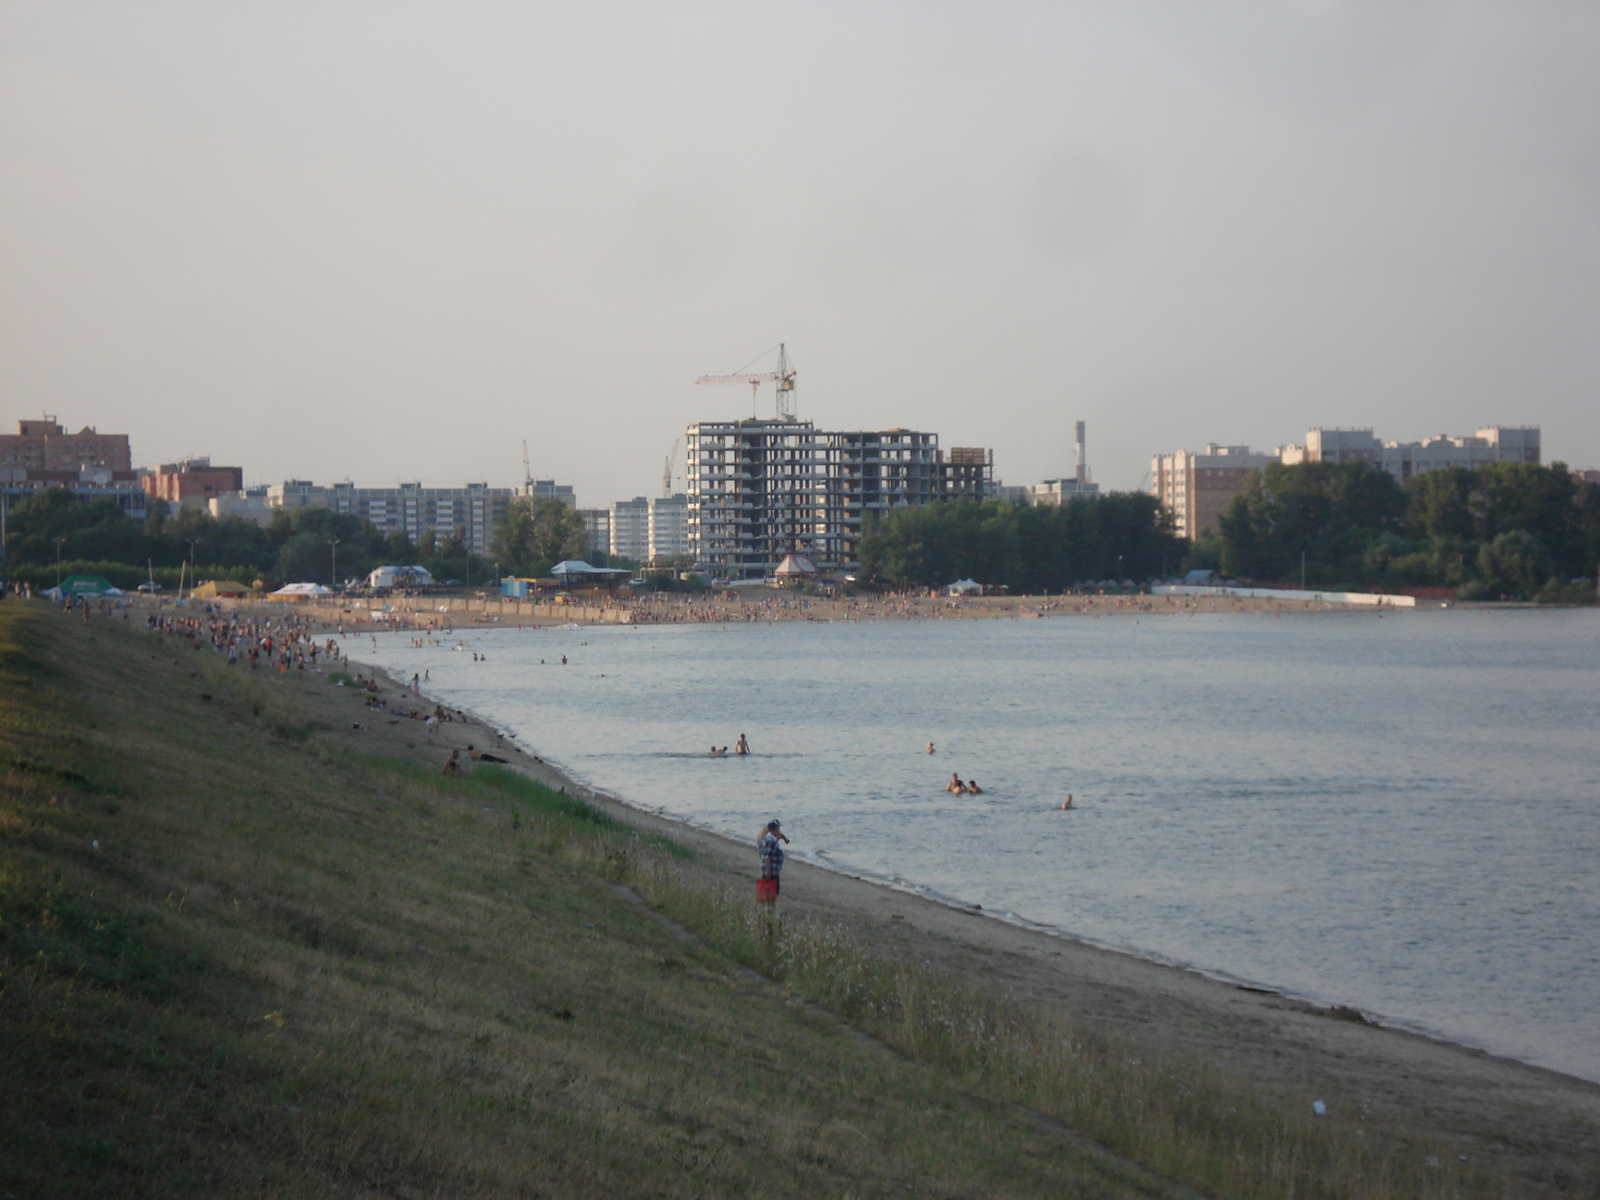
(476, 509)
(630, 529)
(1196, 488)
(1491, 444)
(668, 527)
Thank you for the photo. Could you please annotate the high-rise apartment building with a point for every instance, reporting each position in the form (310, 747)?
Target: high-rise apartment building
(476, 509)
(669, 528)
(761, 489)
(597, 529)
(630, 529)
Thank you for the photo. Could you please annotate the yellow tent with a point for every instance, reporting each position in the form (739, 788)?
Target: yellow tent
(220, 587)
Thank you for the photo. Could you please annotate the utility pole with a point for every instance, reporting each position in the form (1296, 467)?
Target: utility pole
(59, 540)
(1302, 570)
(193, 542)
(333, 581)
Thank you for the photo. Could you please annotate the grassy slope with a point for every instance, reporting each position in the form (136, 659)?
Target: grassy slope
(284, 971)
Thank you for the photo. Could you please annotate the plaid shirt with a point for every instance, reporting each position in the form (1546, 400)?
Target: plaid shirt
(771, 856)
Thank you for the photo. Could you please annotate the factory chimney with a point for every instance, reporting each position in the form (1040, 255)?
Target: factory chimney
(1083, 467)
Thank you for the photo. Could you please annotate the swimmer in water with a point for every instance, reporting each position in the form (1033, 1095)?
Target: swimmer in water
(973, 788)
(930, 747)
(955, 784)
(741, 746)
(1066, 804)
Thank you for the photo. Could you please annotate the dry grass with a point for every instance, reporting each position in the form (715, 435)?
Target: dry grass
(286, 973)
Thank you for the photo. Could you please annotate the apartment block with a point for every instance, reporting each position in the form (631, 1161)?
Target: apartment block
(761, 489)
(668, 528)
(476, 509)
(630, 529)
(45, 446)
(1196, 488)
(548, 489)
(192, 483)
(1491, 444)
(597, 528)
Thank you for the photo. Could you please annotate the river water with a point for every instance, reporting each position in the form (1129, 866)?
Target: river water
(1396, 812)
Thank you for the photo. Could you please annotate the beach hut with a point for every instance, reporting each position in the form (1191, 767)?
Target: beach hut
(965, 587)
(212, 588)
(795, 566)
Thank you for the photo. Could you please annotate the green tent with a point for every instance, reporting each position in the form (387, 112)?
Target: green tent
(85, 585)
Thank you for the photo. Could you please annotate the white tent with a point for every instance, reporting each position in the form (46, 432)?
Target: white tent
(299, 591)
(964, 587)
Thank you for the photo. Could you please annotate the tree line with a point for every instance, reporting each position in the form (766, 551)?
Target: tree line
(1117, 535)
(315, 545)
(1518, 530)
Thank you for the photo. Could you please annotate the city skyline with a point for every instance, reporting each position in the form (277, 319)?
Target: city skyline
(390, 246)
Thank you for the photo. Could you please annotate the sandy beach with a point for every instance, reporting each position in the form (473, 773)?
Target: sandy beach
(1544, 1124)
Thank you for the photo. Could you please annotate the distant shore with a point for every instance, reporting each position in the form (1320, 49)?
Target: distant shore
(760, 606)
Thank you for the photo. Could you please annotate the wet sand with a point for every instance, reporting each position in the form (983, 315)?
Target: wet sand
(1545, 1124)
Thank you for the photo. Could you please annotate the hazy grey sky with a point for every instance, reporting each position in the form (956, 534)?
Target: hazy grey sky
(390, 241)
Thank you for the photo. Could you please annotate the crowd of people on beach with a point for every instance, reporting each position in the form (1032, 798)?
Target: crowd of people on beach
(286, 643)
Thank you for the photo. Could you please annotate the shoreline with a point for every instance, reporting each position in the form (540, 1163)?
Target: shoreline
(1538, 1118)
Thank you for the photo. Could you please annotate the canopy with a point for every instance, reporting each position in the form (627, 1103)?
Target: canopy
(796, 566)
(965, 587)
(301, 591)
(86, 585)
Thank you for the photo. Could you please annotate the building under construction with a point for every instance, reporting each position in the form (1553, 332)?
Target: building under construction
(761, 489)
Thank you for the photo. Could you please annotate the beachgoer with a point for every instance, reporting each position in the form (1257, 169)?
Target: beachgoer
(741, 746)
(452, 765)
(771, 861)
(477, 756)
(973, 788)
(955, 784)
(1066, 804)
(930, 747)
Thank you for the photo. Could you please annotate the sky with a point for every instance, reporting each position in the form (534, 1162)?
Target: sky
(387, 242)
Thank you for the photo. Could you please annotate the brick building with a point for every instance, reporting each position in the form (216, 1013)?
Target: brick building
(193, 484)
(43, 445)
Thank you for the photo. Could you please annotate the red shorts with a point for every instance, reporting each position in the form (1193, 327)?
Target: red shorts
(767, 889)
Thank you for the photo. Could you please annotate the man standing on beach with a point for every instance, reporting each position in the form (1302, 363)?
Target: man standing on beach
(771, 862)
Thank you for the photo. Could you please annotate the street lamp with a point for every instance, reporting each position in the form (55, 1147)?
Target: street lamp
(59, 540)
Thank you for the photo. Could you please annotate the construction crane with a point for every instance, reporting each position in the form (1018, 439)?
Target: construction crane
(666, 472)
(783, 376)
